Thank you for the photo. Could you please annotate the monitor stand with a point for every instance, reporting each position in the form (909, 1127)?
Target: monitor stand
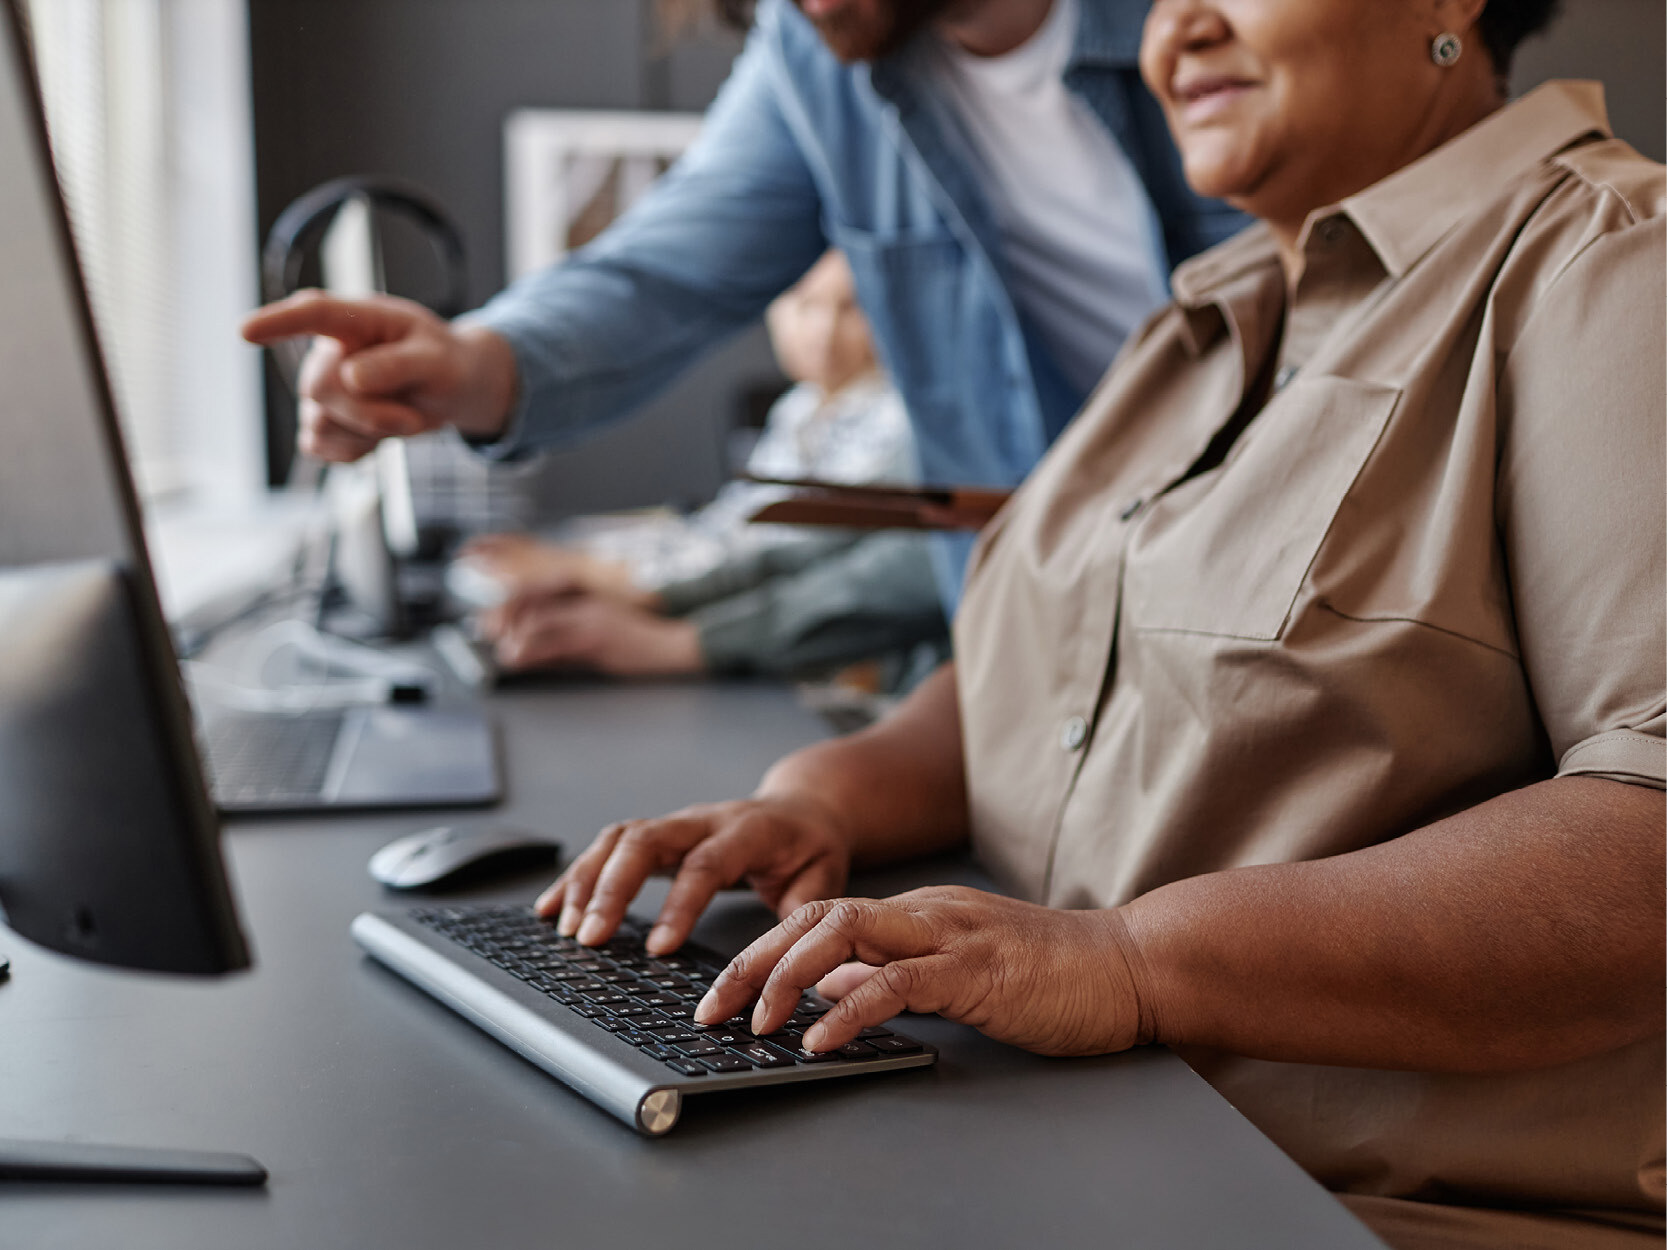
(79, 1161)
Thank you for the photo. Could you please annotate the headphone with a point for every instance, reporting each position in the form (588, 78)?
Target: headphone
(301, 226)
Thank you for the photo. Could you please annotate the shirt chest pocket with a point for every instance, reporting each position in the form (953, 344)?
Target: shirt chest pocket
(913, 289)
(1227, 552)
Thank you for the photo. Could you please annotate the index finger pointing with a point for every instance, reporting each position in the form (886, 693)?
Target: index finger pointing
(355, 323)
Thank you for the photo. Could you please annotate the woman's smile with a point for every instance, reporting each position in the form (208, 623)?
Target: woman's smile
(1201, 98)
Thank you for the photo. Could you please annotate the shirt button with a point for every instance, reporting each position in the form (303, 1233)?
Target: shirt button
(1284, 377)
(1128, 513)
(1331, 230)
(1073, 734)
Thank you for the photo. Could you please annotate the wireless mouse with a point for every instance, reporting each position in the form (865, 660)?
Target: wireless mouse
(450, 853)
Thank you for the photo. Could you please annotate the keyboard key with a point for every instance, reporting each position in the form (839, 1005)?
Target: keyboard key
(654, 1050)
(730, 1037)
(873, 1031)
(764, 1055)
(856, 1050)
(699, 1047)
(895, 1045)
(726, 1063)
(823, 1056)
(688, 1067)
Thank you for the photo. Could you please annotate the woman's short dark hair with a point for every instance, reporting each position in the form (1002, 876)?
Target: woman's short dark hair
(1506, 23)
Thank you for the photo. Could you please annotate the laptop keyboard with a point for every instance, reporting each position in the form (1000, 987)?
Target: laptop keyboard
(645, 1000)
(272, 758)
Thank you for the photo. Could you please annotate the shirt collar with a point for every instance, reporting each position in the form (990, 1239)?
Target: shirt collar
(1405, 214)
(1205, 286)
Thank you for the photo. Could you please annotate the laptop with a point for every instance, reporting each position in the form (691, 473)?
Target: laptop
(374, 757)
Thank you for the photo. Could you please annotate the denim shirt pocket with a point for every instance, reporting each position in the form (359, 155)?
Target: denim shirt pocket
(1227, 553)
(912, 285)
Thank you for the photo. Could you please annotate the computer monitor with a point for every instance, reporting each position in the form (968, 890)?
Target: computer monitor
(109, 845)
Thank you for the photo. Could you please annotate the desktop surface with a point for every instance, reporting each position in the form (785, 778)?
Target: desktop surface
(386, 1120)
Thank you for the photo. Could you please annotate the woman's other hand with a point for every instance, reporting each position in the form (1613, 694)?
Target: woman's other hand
(790, 850)
(591, 632)
(1054, 982)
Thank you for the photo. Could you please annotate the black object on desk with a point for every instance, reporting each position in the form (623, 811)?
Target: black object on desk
(109, 847)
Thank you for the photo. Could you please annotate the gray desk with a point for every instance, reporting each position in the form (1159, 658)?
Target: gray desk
(389, 1122)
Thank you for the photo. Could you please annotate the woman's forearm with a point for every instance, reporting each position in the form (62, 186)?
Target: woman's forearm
(1524, 932)
(899, 787)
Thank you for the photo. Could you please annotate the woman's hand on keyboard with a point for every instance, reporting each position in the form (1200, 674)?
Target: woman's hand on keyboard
(1055, 982)
(789, 849)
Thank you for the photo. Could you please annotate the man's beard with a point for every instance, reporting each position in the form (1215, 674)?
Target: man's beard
(854, 36)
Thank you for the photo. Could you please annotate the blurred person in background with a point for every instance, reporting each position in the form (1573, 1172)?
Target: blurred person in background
(1001, 182)
(711, 593)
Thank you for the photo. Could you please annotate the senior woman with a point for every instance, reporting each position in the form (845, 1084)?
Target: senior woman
(1310, 694)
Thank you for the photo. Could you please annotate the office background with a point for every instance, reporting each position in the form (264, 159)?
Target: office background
(418, 89)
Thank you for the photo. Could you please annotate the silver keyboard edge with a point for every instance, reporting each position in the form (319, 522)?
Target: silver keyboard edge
(569, 1060)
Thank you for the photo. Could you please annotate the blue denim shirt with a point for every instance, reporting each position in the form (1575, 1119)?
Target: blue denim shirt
(800, 152)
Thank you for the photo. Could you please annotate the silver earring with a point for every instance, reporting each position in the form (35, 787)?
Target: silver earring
(1445, 49)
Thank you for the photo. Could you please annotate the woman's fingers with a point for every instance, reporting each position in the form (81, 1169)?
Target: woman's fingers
(843, 979)
(646, 847)
(804, 948)
(924, 984)
(572, 889)
(875, 932)
(716, 864)
(822, 878)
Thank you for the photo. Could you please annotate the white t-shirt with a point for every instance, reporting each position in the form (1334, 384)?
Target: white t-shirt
(1078, 231)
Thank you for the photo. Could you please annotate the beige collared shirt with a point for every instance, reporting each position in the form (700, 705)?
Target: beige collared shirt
(1428, 571)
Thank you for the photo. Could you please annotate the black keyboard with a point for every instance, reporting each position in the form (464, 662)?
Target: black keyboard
(623, 1006)
(272, 758)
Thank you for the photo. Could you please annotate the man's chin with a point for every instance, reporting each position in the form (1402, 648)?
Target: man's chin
(853, 38)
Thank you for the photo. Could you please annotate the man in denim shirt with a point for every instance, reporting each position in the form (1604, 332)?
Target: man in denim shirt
(1002, 183)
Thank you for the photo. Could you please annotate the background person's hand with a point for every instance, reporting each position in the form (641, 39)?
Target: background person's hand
(1055, 982)
(588, 631)
(525, 565)
(789, 850)
(384, 367)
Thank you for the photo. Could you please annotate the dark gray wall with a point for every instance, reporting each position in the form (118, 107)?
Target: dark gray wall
(419, 89)
(1622, 44)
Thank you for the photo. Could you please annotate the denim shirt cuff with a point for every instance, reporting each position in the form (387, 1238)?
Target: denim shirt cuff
(511, 444)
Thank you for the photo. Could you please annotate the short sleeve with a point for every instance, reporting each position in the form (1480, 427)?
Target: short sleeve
(1582, 505)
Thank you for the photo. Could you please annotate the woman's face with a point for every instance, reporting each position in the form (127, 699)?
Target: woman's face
(817, 329)
(1282, 106)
